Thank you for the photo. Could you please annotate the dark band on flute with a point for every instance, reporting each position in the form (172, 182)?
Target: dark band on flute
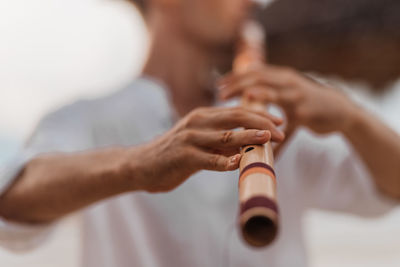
(257, 167)
(259, 201)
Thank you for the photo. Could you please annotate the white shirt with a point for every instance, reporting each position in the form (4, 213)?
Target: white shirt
(194, 225)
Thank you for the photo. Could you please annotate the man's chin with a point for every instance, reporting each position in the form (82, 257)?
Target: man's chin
(222, 44)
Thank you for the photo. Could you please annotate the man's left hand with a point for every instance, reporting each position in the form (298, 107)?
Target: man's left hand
(306, 102)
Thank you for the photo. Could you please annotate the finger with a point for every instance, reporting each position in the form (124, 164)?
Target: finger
(278, 78)
(240, 83)
(233, 77)
(230, 152)
(203, 117)
(225, 79)
(285, 98)
(266, 95)
(223, 140)
(231, 119)
(276, 120)
(283, 77)
(217, 162)
(226, 152)
(217, 110)
(289, 131)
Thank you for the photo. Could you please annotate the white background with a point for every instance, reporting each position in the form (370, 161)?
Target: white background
(55, 51)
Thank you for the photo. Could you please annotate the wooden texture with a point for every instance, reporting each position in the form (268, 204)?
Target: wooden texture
(257, 184)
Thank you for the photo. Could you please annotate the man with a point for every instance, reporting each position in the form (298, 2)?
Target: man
(93, 156)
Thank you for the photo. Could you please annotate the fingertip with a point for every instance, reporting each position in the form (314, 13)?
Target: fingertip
(278, 121)
(278, 136)
(263, 135)
(234, 162)
(268, 135)
(282, 135)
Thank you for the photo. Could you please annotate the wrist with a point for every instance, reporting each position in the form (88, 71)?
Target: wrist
(132, 169)
(354, 121)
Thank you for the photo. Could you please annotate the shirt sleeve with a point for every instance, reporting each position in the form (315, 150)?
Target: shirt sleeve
(332, 176)
(61, 132)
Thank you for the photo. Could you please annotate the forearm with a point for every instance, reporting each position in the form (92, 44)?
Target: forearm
(51, 186)
(379, 147)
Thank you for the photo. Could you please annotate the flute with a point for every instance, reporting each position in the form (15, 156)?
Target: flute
(259, 215)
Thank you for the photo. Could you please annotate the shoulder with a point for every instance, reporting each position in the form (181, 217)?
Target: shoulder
(65, 129)
(130, 115)
(71, 114)
(142, 95)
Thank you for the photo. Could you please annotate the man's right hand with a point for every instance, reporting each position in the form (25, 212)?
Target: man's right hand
(203, 140)
(53, 185)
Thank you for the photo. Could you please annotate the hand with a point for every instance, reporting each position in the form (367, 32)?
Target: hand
(202, 140)
(305, 102)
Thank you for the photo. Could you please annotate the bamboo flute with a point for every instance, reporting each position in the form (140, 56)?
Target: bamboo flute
(259, 215)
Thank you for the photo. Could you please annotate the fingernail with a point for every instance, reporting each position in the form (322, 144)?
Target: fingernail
(234, 159)
(261, 133)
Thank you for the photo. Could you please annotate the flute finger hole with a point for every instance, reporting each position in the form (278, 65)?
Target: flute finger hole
(249, 149)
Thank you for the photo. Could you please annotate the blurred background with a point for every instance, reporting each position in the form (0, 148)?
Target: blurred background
(53, 52)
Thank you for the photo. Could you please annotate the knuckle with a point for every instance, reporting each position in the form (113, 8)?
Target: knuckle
(187, 135)
(267, 125)
(214, 161)
(290, 76)
(238, 114)
(301, 114)
(186, 153)
(290, 80)
(290, 71)
(201, 110)
(300, 95)
(194, 114)
(293, 97)
(178, 139)
(194, 117)
(236, 110)
(226, 137)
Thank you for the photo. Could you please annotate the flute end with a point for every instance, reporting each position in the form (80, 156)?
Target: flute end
(260, 231)
(259, 221)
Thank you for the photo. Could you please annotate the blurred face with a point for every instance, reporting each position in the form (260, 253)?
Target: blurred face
(212, 22)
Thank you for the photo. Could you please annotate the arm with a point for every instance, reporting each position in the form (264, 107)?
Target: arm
(325, 110)
(379, 147)
(51, 186)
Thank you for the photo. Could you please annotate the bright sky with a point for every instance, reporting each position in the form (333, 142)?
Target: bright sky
(52, 55)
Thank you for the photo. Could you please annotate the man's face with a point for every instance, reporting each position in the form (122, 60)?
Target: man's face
(212, 22)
